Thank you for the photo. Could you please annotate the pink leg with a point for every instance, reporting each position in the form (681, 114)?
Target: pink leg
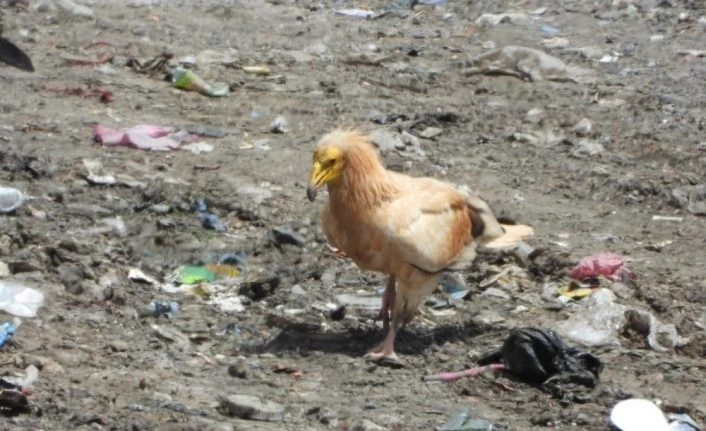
(388, 301)
(386, 350)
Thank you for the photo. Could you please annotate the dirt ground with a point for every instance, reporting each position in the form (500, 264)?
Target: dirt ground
(104, 365)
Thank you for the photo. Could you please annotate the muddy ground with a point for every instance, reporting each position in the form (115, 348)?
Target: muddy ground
(105, 366)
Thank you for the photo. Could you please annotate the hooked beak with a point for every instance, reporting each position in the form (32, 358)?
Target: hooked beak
(315, 181)
(311, 192)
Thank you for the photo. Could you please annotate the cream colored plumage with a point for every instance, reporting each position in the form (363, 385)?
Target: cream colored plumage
(412, 229)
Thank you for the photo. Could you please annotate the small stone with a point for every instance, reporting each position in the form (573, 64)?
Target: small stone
(117, 224)
(487, 318)
(693, 198)
(259, 287)
(239, 369)
(583, 127)
(535, 115)
(75, 9)
(494, 292)
(119, 346)
(279, 125)
(298, 291)
(165, 223)
(71, 276)
(160, 208)
(366, 425)
(385, 140)
(622, 290)
(4, 270)
(585, 148)
(600, 171)
(283, 235)
(431, 132)
(488, 44)
(257, 194)
(250, 407)
(97, 292)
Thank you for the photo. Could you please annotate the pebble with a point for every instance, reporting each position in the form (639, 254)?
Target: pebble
(585, 148)
(279, 125)
(366, 425)
(431, 132)
(555, 42)
(693, 198)
(298, 291)
(488, 44)
(583, 127)
(160, 208)
(250, 407)
(494, 292)
(75, 9)
(117, 224)
(487, 318)
(239, 369)
(534, 115)
(165, 223)
(118, 346)
(385, 140)
(284, 235)
(256, 194)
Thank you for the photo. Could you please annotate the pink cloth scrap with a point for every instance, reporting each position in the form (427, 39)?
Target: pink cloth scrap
(143, 136)
(608, 265)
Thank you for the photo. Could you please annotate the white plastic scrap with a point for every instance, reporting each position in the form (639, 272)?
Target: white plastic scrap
(20, 300)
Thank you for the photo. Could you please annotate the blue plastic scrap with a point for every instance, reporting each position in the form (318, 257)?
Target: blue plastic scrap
(7, 330)
(208, 220)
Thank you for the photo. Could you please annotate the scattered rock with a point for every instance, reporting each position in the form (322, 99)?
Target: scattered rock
(261, 286)
(585, 148)
(250, 407)
(493, 19)
(535, 115)
(257, 194)
(284, 235)
(366, 302)
(583, 127)
(366, 425)
(385, 140)
(298, 291)
(431, 132)
(160, 208)
(119, 346)
(279, 125)
(691, 198)
(239, 369)
(75, 9)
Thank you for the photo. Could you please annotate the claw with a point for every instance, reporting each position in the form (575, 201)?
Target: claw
(384, 359)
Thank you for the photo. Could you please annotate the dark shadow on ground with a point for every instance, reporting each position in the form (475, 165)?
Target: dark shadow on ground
(356, 342)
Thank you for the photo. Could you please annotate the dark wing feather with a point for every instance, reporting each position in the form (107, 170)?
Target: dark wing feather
(14, 56)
